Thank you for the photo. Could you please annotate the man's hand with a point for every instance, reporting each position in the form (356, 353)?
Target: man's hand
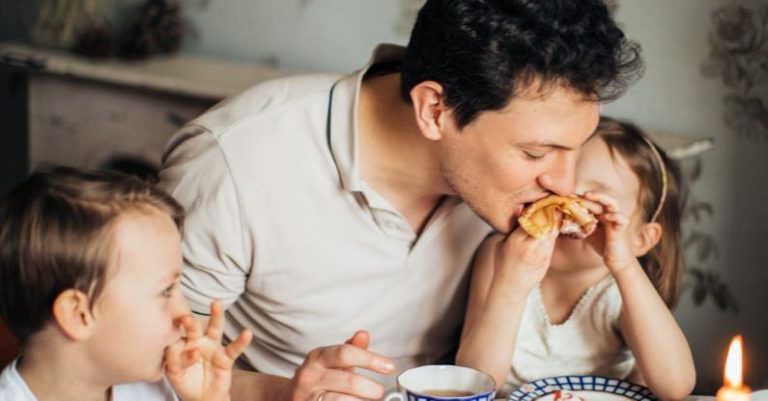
(198, 367)
(329, 372)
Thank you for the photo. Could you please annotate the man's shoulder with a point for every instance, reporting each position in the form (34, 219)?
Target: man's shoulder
(283, 94)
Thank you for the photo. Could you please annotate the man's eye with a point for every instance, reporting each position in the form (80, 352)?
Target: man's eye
(533, 155)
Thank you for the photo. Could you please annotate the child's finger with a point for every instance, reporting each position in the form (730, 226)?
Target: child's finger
(221, 374)
(189, 357)
(617, 218)
(235, 348)
(610, 203)
(191, 328)
(592, 206)
(215, 328)
(616, 222)
(173, 357)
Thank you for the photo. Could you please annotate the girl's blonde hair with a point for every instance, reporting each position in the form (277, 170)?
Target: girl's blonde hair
(658, 175)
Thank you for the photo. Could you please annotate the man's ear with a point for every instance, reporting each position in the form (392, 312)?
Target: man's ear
(647, 238)
(430, 111)
(71, 311)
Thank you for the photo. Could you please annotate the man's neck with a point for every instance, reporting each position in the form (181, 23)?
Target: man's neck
(397, 161)
(53, 375)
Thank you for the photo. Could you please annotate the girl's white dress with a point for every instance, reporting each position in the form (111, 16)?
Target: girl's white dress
(589, 342)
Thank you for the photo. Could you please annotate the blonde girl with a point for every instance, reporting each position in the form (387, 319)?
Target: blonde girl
(597, 306)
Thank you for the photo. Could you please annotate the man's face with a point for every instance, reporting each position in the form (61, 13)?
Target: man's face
(507, 158)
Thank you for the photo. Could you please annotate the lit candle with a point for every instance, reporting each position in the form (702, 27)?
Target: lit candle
(733, 389)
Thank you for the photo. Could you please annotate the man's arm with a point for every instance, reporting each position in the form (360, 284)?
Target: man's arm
(253, 386)
(325, 370)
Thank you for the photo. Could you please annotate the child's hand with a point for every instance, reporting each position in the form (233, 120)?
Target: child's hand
(613, 243)
(198, 367)
(522, 260)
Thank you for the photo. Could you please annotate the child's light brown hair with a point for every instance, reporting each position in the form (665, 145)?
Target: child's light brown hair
(663, 263)
(56, 233)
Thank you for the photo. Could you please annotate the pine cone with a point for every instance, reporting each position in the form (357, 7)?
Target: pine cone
(97, 41)
(169, 29)
(137, 44)
(159, 27)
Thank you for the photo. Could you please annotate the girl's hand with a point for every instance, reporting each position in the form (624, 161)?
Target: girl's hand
(613, 243)
(522, 260)
(198, 367)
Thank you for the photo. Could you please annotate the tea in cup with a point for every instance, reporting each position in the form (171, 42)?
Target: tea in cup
(441, 382)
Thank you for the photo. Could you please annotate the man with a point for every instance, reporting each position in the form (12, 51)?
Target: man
(321, 205)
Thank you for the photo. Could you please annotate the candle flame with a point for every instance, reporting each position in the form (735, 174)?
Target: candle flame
(733, 363)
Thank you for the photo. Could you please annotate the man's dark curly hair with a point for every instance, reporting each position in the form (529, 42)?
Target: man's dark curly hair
(484, 51)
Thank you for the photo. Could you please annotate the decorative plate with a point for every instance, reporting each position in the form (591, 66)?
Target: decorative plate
(581, 388)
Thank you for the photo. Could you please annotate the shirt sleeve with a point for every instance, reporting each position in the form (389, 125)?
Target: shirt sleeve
(196, 174)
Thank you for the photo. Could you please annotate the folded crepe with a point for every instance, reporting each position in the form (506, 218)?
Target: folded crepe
(565, 214)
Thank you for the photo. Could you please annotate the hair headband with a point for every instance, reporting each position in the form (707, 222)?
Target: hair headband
(663, 169)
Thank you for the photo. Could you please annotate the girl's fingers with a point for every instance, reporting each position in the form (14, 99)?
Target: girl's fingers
(617, 219)
(610, 203)
(592, 206)
(215, 329)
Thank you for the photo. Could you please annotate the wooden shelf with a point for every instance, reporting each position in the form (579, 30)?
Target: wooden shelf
(179, 74)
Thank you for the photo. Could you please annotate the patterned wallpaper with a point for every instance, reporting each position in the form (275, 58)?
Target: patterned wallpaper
(739, 57)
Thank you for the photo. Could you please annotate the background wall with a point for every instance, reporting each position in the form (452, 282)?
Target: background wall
(675, 95)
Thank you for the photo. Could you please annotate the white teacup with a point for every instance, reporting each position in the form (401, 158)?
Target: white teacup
(443, 382)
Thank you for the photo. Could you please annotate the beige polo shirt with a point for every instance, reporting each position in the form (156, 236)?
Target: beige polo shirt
(284, 230)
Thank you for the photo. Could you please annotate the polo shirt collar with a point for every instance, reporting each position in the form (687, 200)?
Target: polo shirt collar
(343, 127)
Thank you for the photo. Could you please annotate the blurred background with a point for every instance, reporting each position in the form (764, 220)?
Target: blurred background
(105, 83)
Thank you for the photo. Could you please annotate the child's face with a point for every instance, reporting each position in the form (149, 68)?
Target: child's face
(599, 170)
(135, 317)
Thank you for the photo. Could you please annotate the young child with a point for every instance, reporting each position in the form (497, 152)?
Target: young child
(90, 265)
(595, 306)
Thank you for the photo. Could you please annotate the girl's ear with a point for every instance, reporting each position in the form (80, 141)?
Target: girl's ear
(71, 311)
(648, 236)
(429, 109)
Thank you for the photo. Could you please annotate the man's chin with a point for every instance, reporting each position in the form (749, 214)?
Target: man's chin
(502, 227)
(504, 224)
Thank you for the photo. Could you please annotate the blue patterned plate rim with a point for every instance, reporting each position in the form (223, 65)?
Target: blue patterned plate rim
(539, 388)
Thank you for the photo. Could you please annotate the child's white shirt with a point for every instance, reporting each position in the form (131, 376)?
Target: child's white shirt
(589, 342)
(14, 388)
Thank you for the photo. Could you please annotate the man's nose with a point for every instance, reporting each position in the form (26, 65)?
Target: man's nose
(560, 178)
